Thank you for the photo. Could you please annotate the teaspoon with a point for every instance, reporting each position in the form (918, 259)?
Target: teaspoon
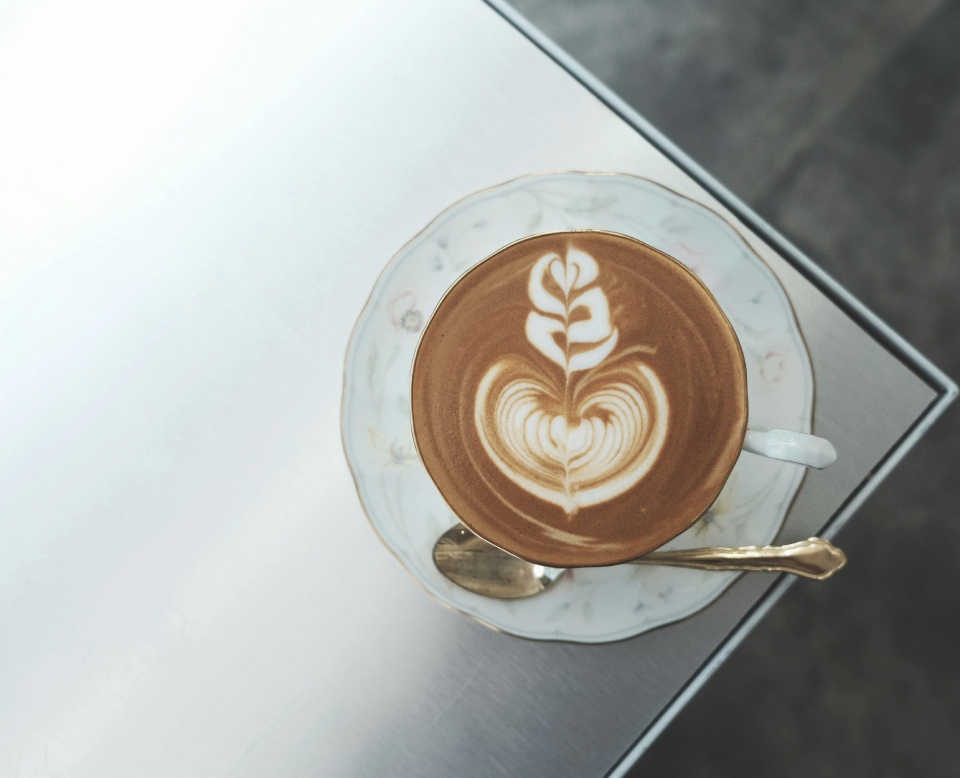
(481, 567)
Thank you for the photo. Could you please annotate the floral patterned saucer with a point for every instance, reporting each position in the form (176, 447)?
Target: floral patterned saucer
(588, 605)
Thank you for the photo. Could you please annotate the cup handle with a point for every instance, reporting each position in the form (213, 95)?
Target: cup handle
(807, 450)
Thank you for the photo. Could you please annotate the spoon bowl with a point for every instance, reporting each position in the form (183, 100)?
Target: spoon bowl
(474, 564)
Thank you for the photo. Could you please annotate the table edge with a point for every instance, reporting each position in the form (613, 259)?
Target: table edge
(945, 389)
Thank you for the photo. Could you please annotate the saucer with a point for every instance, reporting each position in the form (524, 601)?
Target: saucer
(587, 605)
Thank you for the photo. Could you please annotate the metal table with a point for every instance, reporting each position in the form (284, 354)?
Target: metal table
(195, 200)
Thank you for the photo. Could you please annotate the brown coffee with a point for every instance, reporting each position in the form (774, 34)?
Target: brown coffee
(579, 398)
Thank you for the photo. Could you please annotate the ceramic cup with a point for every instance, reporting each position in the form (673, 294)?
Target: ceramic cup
(579, 398)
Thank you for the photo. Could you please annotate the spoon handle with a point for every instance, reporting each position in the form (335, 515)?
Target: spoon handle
(813, 558)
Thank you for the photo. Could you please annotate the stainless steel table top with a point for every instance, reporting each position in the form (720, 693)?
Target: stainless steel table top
(195, 200)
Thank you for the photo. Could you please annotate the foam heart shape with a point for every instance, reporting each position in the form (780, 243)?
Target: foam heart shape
(577, 446)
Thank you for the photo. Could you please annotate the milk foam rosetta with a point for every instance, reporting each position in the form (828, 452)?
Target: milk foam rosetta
(589, 432)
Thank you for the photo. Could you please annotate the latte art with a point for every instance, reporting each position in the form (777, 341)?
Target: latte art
(578, 398)
(589, 432)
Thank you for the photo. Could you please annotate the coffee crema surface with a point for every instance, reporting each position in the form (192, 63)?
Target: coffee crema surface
(579, 398)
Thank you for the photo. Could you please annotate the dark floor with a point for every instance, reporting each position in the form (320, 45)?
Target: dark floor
(839, 121)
